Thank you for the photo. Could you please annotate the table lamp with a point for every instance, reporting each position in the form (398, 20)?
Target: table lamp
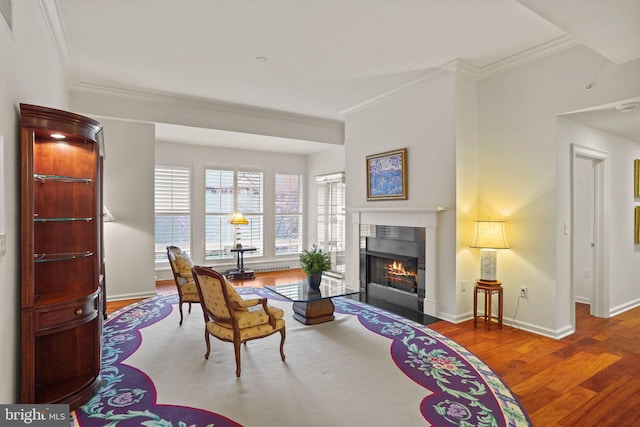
(489, 236)
(238, 219)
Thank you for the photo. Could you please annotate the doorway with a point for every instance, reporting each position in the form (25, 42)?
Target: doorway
(588, 264)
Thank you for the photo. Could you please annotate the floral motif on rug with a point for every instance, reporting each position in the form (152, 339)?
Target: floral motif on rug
(128, 396)
(460, 389)
(464, 390)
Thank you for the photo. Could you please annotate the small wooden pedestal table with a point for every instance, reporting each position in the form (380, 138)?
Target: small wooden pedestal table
(487, 288)
(312, 307)
(240, 272)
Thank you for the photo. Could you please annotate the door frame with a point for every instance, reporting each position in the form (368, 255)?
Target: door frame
(600, 299)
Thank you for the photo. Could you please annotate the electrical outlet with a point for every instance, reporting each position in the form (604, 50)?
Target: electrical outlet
(3, 244)
(463, 285)
(524, 292)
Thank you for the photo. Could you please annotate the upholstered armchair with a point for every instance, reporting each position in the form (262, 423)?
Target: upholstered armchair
(230, 318)
(181, 266)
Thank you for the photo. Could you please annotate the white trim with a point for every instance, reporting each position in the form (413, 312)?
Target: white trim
(600, 296)
(614, 311)
(137, 295)
(427, 218)
(549, 48)
(465, 69)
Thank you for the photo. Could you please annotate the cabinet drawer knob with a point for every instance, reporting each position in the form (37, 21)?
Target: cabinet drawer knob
(79, 312)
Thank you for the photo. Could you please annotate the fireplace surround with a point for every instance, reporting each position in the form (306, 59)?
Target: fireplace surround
(365, 220)
(393, 264)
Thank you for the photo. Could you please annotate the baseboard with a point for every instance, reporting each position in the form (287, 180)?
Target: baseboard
(138, 295)
(455, 318)
(624, 307)
(557, 334)
(549, 333)
(582, 300)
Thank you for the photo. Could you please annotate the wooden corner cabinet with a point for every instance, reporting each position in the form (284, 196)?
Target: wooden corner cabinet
(62, 268)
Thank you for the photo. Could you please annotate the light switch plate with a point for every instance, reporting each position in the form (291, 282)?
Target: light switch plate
(3, 244)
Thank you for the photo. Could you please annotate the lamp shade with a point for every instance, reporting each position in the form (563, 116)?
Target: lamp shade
(489, 234)
(237, 218)
(107, 216)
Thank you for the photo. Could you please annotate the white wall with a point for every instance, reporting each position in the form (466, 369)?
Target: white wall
(128, 194)
(422, 119)
(624, 255)
(467, 186)
(525, 175)
(29, 73)
(197, 157)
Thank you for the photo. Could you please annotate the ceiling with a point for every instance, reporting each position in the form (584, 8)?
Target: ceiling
(320, 58)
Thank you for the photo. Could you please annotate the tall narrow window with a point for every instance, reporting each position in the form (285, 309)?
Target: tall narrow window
(172, 209)
(288, 214)
(331, 219)
(227, 191)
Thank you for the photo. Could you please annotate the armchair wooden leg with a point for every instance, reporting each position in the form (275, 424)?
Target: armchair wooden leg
(180, 308)
(282, 335)
(236, 345)
(206, 339)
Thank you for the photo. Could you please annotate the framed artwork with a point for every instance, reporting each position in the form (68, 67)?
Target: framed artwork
(636, 178)
(636, 228)
(387, 175)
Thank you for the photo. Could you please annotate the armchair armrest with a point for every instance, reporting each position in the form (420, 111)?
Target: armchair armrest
(272, 319)
(245, 303)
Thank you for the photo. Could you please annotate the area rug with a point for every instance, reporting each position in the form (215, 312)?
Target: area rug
(368, 367)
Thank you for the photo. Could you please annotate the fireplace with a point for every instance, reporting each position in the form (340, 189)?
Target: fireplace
(393, 264)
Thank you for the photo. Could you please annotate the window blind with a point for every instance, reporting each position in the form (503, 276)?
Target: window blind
(226, 191)
(331, 218)
(172, 209)
(289, 214)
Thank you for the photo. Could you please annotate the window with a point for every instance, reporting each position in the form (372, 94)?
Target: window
(226, 191)
(288, 214)
(172, 224)
(331, 218)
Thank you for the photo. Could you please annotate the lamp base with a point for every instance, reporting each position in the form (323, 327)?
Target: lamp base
(488, 265)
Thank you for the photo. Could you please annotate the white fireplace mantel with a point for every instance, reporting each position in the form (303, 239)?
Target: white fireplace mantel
(409, 217)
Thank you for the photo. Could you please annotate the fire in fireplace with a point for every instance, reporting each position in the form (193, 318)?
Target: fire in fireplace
(395, 273)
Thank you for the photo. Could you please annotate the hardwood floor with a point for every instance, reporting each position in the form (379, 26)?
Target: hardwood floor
(262, 279)
(590, 378)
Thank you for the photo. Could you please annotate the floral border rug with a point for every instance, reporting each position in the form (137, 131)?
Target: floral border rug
(460, 390)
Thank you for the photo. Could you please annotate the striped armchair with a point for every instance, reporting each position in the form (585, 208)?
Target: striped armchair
(230, 318)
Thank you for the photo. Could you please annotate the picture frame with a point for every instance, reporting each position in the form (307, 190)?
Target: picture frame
(636, 178)
(636, 228)
(387, 175)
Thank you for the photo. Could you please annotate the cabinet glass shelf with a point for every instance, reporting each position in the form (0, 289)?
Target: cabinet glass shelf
(61, 256)
(59, 178)
(61, 219)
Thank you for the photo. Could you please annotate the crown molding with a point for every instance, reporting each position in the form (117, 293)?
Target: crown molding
(429, 74)
(53, 19)
(465, 69)
(203, 103)
(530, 55)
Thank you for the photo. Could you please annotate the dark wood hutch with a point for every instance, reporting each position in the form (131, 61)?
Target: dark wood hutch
(62, 267)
